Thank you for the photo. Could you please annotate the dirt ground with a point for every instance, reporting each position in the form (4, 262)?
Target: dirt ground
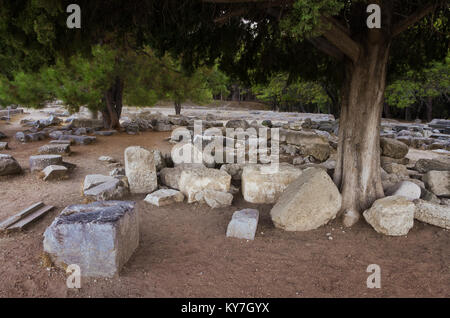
(184, 252)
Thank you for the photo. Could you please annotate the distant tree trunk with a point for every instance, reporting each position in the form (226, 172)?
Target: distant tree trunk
(386, 110)
(358, 173)
(429, 104)
(408, 113)
(113, 105)
(177, 108)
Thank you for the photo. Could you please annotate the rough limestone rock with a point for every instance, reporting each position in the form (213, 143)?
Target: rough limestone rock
(54, 149)
(265, 184)
(164, 197)
(103, 188)
(243, 224)
(141, 170)
(393, 148)
(425, 165)
(193, 181)
(435, 214)
(9, 165)
(99, 237)
(170, 176)
(237, 123)
(407, 189)
(309, 202)
(233, 169)
(395, 168)
(392, 215)
(79, 140)
(215, 199)
(38, 163)
(92, 180)
(438, 182)
(54, 172)
(3, 145)
(300, 138)
(320, 152)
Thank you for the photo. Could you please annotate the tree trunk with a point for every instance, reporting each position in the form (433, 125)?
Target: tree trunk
(113, 105)
(429, 104)
(357, 172)
(177, 108)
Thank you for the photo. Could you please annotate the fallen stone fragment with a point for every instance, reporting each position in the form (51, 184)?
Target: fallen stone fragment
(438, 182)
(308, 202)
(171, 176)
(3, 145)
(38, 163)
(393, 148)
(105, 132)
(434, 214)
(425, 165)
(79, 140)
(99, 237)
(265, 183)
(117, 172)
(243, 224)
(93, 180)
(54, 172)
(215, 199)
(193, 181)
(392, 215)
(407, 189)
(62, 142)
(140, 169)
(54, 149)
(110, 190)
(107, 159)
(9, 165)
(164, 197)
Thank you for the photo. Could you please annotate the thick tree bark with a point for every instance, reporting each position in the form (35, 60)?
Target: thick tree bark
(357, 170)
(177, 108)
(113, 105)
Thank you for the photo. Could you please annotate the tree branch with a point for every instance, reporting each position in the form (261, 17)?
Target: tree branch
(339, 36)
(413, 18)
(326, 47)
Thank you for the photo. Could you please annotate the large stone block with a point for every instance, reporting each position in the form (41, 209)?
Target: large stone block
(54, 172)
(243, 224)
(300, 138)
(407, 189)
(431, 213)
(425, 165)
(393, 215)
(171, 176)
(438, 182)
(40, 162)
(9, 165)
(193, 181)
(54, 149)
(140, 169)
(99, 237)
(393, 148)
(264, 183)
(308, 202)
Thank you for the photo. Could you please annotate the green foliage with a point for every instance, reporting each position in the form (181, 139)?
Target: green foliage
(304, 20)
(416, 86)
(285, 95)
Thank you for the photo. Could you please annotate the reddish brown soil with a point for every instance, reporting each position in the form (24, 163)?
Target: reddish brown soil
(183, 250)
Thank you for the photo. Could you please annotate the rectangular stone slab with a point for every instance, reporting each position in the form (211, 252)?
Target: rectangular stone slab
(99, 237)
